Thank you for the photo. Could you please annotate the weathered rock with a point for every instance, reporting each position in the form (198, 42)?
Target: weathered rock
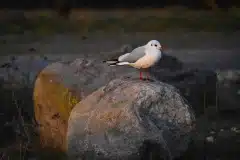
(59, 87)
(197, 86)
(117, 120)
(52, 104)
(228, 90)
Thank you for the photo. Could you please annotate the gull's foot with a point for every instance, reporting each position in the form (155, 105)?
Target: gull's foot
(148, 79)
(144, 79)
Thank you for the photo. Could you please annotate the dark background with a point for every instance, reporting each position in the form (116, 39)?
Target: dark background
(194, 4)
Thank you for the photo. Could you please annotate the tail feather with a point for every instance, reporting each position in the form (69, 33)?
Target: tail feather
(122, 63)
(110, 61)
(115, 63)
(119, 64)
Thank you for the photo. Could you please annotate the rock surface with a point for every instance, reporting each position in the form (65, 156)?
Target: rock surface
(59, 87)
(117, 120)
(52, 105)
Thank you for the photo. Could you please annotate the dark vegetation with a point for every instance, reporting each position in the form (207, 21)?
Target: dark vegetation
(45, 22)
(45, 17)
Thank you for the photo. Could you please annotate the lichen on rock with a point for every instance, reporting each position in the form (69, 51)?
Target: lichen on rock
(52, 105)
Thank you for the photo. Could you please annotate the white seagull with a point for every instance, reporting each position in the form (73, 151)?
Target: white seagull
(142, 57)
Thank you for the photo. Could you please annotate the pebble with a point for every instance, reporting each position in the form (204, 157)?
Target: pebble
(210, 139)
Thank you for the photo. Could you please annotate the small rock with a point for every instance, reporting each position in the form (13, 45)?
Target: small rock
(234, 129)
(210, 139)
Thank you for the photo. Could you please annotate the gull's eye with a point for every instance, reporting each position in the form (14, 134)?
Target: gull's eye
(155, 45)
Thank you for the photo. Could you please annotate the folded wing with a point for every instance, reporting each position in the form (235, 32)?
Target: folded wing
(132, 57)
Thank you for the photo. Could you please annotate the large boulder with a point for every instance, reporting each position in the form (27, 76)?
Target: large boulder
(61, 85)
(129, 118)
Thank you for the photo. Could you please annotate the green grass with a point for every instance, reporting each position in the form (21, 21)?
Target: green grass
(158, 20)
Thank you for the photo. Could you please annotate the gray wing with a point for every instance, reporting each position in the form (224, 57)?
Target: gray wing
(133, 56)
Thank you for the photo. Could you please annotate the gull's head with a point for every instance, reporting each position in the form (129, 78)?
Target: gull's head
(154, 44)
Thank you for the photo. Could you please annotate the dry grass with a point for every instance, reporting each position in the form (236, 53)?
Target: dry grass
(19, 130)
(142, 20)
(22, 140)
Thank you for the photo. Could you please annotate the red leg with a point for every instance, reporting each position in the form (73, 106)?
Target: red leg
(148, 75)
(140, 74)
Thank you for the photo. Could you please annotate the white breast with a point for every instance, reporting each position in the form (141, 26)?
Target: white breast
(148, 60)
